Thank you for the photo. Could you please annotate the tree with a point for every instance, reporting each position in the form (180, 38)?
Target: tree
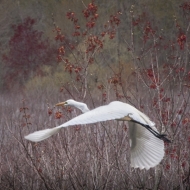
(28, 52)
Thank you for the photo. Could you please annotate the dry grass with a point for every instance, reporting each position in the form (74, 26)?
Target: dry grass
(79, 157)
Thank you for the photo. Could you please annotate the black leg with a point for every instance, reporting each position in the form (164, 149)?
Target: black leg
(155, 133)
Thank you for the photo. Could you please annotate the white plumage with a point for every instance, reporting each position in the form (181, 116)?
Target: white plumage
(147, 146)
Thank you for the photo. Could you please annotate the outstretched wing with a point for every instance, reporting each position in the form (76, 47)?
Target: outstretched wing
(114, 110)
(41, 135)
(146, 150)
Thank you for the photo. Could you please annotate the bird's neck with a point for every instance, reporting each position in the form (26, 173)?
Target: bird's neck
(83, 107)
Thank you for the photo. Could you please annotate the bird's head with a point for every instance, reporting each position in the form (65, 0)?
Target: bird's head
(83, 107)
(67, 103)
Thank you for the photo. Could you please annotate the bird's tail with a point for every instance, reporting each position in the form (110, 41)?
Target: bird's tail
(42, 134)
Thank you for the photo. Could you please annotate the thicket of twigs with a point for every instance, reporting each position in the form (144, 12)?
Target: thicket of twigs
(97, 156)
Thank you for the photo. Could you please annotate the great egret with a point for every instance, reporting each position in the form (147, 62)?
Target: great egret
(147, 146)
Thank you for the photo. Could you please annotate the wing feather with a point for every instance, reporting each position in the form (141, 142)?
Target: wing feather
(146, 150)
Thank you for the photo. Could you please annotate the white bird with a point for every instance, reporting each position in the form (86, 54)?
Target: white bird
(147, 146)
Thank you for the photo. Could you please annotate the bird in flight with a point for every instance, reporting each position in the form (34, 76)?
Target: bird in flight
(146, 144)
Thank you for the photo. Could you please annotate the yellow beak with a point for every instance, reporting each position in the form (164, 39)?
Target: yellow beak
(61, 104)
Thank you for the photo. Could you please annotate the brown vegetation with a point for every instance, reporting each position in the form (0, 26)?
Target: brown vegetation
(145, 64)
